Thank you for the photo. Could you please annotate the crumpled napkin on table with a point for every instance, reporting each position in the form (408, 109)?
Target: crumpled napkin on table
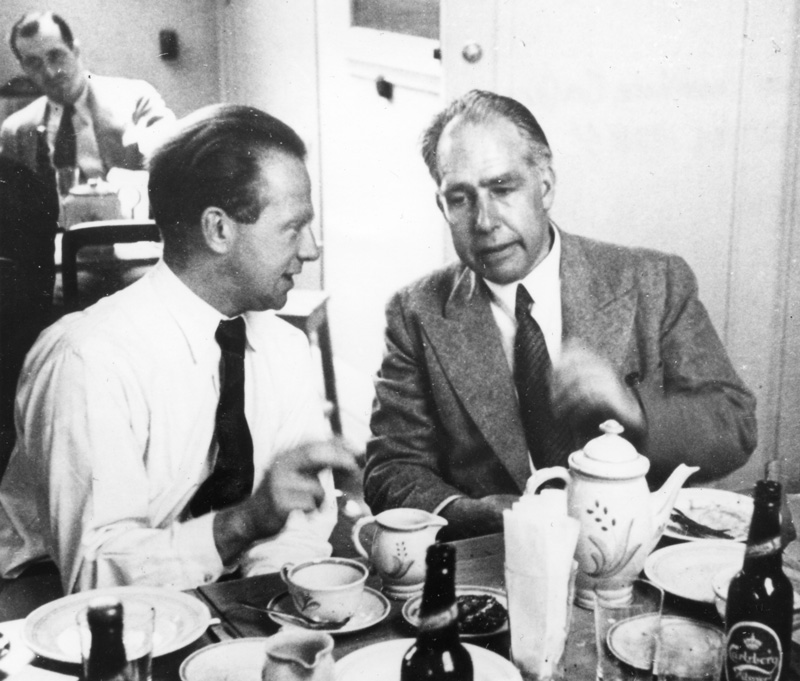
(540, 541)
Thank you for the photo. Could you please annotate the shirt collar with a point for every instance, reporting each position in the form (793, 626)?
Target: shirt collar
(543, 278)
(197, 319)
(81, 104)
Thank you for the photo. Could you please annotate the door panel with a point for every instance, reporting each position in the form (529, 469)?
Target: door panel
(381, 225)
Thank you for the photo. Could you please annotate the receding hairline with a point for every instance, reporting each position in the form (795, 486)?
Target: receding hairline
(536, 153)
(31, 24)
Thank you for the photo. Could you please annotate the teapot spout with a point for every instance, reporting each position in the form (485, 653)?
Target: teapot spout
(664, 499)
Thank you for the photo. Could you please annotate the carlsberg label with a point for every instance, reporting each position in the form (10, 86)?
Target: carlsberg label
(753, 653)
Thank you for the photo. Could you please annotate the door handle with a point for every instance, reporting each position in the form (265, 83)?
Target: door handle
(472, 52)
(384, 88)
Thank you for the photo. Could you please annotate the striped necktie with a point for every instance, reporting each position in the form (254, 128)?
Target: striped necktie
(549, 441)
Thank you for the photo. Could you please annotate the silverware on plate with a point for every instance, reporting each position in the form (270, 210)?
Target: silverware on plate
(696, 529)
(295, 619)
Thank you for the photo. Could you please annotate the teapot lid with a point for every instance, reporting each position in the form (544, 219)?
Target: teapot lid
(610, 455)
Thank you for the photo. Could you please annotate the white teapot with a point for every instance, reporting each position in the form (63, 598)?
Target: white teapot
(620, 519)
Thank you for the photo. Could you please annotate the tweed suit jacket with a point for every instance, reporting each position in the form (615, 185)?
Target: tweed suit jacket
(124, 112)
(446, 418)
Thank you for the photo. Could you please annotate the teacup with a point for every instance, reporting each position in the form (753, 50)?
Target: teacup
(326, 589)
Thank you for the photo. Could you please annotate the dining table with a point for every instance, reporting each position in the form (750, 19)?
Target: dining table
(480, 562)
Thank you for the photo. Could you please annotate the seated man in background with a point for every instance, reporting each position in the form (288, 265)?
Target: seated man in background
(84, 121)
(172, 432)
(509, 360)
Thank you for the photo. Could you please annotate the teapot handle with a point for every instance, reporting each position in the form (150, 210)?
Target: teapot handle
(545, 475)
(361, 522)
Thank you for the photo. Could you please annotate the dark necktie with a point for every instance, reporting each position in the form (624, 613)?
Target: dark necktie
(232, 478)
(44, 168)
(549, 442)
(65, 151)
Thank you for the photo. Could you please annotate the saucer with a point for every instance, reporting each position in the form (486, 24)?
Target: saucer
(374, 608)
(628, 639)
(411, 608)
(240, 659)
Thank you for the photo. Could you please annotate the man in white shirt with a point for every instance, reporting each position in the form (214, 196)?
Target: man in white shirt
(113, 121)
(509, 360)
(118, 408)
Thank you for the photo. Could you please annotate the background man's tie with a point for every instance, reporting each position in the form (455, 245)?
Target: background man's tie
(549, 442)
(65, 150)
(232, 478)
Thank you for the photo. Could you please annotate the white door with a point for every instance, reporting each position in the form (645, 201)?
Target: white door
(381, 228)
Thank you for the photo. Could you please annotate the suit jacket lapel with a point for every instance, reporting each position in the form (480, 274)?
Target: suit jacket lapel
(468, 345)
(598, 307)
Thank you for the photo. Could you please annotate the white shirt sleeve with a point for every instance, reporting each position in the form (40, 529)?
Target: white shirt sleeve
(92, 487)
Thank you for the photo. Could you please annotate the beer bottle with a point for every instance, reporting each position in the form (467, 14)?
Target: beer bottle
(758, 618)
(438, 654)
(107, 660)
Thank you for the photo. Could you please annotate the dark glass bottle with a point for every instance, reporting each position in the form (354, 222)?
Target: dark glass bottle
(438, 654)
(107, 661)
(758, 618)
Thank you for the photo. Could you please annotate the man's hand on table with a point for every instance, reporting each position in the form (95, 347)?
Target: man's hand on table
(292, 483)
(469, 517)
(585, 391)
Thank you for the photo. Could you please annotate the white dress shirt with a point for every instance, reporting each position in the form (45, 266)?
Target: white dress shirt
(115, 420)
(88, 159)
(544, 286)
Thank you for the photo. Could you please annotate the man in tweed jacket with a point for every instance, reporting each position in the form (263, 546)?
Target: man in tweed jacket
(626, 333)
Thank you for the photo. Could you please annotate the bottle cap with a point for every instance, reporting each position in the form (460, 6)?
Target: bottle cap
(104, 612)
(768, 491)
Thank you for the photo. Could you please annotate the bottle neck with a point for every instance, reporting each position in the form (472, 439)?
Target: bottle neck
(438, 626)
(107, 655)
(438, 611)
(764, 549)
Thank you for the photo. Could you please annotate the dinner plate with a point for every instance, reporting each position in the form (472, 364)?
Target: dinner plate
(715, 508)
(688, 570)
(382, 661)
(629, 639)
(52, 630)
(239, 659)
(411, 607)
(374, 608)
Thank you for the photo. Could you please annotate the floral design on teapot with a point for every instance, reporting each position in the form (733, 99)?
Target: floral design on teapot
(612, 555)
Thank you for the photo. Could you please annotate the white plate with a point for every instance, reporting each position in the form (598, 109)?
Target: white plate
(381, 662)
(411, 607)
(237, 660)
(374, 608)
(52, 631)
(626, 638)
(714, 508)
(688, 570)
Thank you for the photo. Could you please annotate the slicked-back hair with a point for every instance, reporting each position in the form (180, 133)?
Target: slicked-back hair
(28, 25)
(213, 158)
(480, 106)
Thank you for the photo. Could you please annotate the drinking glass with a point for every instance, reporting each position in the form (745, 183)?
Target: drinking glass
(539, 614)
(138, 628)
(625, 632)
(688, 653)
